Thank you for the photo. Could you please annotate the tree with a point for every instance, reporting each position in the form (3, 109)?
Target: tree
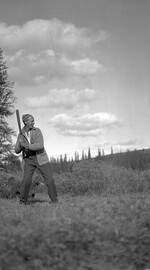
(83, 155)
(7, 100)
(12, 163)
(76, 156)
(89, 153)
(111, 150)
(99, 153)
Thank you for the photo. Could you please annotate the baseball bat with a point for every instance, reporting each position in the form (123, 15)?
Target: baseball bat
(18, 120)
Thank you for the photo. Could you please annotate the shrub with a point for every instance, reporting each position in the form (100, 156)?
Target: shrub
(10, 186)
(101, 177)
(87, 177)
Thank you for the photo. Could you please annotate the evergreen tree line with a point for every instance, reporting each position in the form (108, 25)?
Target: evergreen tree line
(136, 160)
(63, 164)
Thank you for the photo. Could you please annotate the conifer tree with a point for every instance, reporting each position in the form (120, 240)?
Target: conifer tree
(99, 153)
(83, 156)
(7, 100)
(89, 153)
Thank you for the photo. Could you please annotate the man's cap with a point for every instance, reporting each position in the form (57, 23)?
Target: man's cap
(26, 116)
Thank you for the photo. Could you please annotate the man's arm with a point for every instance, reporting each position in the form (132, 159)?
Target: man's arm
(39, 143)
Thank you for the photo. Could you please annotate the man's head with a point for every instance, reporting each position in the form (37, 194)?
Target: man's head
(28, 121)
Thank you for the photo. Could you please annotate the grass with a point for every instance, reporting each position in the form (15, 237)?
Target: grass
(94, 232)
(103, 222)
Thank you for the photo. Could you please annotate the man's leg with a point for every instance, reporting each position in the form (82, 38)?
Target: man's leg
(49, 181)
(29, 168)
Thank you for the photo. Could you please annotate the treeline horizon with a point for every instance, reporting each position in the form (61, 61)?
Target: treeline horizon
(133, 159)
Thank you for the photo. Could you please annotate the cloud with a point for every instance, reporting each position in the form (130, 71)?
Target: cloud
(41, 50)
(29, 68)
(118, 146)
(62, 98)
(43, 65)
(84, 66)
(43, 34)
(127, 143)
(84, 125)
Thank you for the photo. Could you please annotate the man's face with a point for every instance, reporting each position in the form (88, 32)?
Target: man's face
(29, 123)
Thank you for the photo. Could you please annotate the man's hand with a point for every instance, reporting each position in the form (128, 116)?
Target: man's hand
(24, 145)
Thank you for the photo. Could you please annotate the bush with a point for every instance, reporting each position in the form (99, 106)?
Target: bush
(87, 177)
(10, 186)
(100, 177)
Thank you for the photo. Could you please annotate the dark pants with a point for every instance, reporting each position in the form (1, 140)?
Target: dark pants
(30, 164)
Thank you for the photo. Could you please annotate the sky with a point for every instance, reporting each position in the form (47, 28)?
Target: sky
(82, 69)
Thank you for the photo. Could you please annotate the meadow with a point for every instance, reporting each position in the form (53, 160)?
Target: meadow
(102, 222)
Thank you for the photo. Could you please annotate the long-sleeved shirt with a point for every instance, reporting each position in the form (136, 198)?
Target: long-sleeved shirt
(36, 145)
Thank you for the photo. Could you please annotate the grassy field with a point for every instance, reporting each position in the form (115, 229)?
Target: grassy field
(83, 232)
(102, 222)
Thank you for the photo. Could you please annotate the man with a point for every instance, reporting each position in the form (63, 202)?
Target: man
(31, 143)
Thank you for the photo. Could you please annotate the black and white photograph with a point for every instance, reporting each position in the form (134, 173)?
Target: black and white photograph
(75, 134)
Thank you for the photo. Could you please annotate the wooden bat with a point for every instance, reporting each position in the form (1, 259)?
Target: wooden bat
(18, 120)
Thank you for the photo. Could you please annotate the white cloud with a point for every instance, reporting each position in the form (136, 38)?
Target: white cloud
(62, 98)
(118, 146)
(33, 36)
(34, 68)
(42, 34)
(84, 66)
(41, 50)
(84, 125)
